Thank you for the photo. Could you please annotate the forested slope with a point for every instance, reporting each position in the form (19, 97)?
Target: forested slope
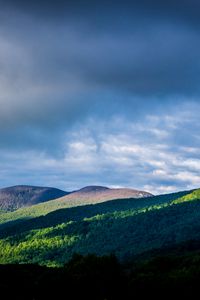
(124, 227)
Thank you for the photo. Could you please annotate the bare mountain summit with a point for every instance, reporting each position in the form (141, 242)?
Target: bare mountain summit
(92, 188)
(96, 194)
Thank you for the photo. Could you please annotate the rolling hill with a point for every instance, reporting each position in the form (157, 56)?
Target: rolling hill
(86, 195)
(101, 193)
(12, 198)
(127, 227)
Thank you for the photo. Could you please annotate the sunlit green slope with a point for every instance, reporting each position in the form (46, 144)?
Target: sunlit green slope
(119, 227)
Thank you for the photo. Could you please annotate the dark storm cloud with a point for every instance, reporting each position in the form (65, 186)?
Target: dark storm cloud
(54, 69)
(52, 73)
(142, 47)
(184, 8)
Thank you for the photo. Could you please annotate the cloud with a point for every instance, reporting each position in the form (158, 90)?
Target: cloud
(106, 153)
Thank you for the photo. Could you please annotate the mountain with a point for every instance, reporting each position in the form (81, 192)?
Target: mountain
(118, 249)
(101, 193)
(86, 195)
(130, 228)
(14, 197)
(92, 188)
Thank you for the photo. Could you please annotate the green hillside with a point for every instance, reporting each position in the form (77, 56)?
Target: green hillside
(195, 195)
(51, 206)
(127, 228)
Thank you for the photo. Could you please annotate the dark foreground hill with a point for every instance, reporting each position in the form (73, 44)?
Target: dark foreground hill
(99, 278)
(14, 197)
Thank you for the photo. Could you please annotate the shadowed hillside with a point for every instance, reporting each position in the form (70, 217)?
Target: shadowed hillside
(12, 198)
(175, 273)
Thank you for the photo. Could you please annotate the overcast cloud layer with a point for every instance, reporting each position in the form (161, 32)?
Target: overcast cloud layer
(100, 94)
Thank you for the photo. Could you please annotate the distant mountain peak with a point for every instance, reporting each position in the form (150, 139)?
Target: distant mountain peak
(93, 188)
(14, 197)
(95, 193)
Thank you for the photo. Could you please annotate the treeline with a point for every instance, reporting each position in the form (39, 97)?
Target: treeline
(100, 278)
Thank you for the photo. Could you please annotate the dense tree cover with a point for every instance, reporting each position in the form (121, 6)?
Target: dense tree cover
(127, 250)
(99, 278)
(122, 227)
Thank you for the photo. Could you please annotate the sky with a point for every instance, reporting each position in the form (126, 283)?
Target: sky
(100, 93)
